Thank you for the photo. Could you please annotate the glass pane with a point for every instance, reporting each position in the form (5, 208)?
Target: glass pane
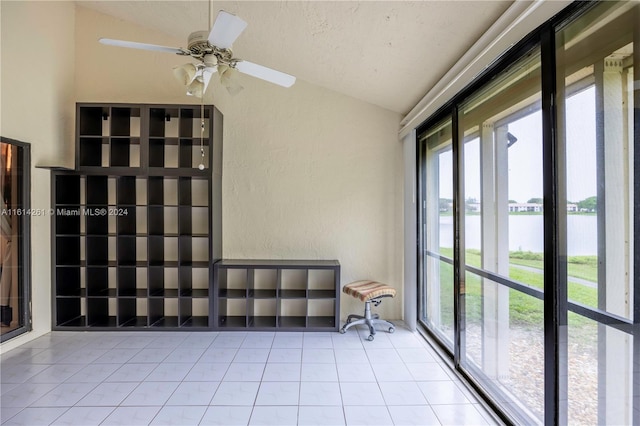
(596, 84)
(11, 223)
(506, 354)
(436, 290)
(600, 373)
(502, 130)
(504, 235)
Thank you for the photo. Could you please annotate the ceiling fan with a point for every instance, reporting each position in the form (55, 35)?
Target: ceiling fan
(213, 52)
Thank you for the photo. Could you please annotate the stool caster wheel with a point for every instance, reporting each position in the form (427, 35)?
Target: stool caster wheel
(342, 331)
(370, 338)
(391, 330)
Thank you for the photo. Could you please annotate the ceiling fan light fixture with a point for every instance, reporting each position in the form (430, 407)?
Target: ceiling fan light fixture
(196, 87)
(186, 73)
(210, 61)
(227, 79)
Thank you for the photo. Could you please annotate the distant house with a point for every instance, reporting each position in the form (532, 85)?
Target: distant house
(535, 207)
(524, 207)
(474, 207)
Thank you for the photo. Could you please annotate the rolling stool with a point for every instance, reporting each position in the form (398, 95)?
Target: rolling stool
(369, 292)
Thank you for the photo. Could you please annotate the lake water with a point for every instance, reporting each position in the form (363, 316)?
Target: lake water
(526, 233)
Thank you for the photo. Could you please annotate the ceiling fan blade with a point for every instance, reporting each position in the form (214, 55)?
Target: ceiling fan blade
(143, 46)
(226, 30)
(264, 73)
(206, 76)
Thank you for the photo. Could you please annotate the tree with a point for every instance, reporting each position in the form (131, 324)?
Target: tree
(588, 204)
(472, 205)
(535, 201)
(445, 204)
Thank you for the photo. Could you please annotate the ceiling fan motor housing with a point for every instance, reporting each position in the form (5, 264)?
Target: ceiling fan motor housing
(198, 42)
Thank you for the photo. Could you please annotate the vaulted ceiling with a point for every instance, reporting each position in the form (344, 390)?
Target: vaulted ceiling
(388, 53)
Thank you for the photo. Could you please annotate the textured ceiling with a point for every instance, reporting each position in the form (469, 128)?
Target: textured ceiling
(388, 53)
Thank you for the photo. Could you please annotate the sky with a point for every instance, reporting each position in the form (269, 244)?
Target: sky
(525, 156)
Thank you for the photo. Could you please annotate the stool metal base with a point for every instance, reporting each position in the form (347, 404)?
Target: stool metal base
(371, 320)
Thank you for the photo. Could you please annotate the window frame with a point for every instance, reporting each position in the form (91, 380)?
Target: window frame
(556, 303)
(25, 250)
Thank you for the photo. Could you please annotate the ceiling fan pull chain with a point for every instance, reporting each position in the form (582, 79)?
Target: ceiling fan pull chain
(201, 165)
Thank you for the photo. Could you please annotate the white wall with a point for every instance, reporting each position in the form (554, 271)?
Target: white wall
(410, 231)
(37, 106)
(308, 173)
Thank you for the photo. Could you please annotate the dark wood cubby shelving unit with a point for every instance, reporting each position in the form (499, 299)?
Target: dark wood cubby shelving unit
(137, 226)
(281, 294)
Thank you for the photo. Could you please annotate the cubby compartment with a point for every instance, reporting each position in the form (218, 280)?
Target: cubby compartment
(126, 221)
(98, 281)
(155, 250)
(90, 120)
(321, 313)
(321, 283)
(293, 283)
(126, 251)
(126, 191)
(232, 283)
(262, 313)
(155, 191)
(293, 313)
(97, 250)
(125, 121)
(232, 313)
(92, 151)
(67, 190)
(67, 221)
(170, 221)
(69, 281)
(68, 311)
(156, 152)
(155, 220)
(101, 312)
(199, 221)
(132, 312)
(171, 154)
(169, 316)
(200, 282)
(155, 280)
(199, 310)
(264, 283)
(199, 192)
(120, 154)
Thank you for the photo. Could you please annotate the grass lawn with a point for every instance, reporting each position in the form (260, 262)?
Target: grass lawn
(524, 310)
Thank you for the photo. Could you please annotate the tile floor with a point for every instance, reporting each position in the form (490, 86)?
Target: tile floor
(232, 378)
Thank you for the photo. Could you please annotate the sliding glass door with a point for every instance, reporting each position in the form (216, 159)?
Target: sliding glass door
(598, 85)
(528, 223)
(500, 128)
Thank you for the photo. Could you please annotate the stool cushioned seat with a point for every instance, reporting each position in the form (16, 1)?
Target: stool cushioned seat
(367, 290)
